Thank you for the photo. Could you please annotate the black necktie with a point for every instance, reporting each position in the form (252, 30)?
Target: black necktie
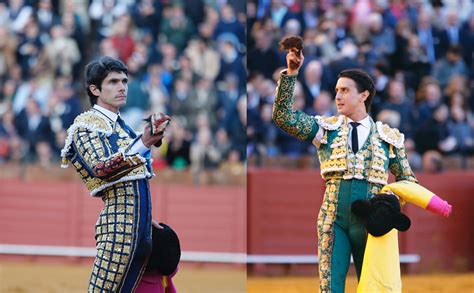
(355, 137)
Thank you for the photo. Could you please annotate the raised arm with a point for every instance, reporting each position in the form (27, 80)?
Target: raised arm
(296, 123)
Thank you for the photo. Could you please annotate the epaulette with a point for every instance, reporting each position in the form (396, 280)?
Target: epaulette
(391, 135)
(329, 123)
(89, 120)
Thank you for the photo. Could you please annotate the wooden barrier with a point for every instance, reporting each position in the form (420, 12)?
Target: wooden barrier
(283, 207)
(62, 213)
(277, 217)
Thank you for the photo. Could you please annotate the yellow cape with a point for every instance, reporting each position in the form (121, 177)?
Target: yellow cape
(381, 266)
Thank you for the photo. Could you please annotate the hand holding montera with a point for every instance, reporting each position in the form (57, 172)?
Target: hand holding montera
(294, 58)
(155, 128)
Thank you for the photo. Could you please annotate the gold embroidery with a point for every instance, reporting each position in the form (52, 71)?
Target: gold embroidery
(326, 218)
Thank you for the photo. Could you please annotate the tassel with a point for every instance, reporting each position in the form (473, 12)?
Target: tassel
(391, 154)
(325, 138)
(164, 282)
(64, 163)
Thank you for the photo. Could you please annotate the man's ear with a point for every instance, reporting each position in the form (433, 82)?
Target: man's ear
(94, 90)
(365, 95)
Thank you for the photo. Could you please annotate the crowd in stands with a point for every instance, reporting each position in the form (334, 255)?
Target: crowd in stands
(185, 58)
(419, 53)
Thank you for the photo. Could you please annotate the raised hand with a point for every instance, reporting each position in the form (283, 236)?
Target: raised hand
(294, 60)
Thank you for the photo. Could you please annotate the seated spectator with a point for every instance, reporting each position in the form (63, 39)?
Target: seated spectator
(61, 54)
(314, 82)
(460, 129)
(399, 102)
(223, 142)
(204, 154)
(233, 164)
(176, 28)
(433, 134)
(35, 129)
(430, 99)
(266, 133)
(10, 142)
(389, 117)
(178, 151)
(323, 105)
(414, 158)
(449, 66)
(432, 162)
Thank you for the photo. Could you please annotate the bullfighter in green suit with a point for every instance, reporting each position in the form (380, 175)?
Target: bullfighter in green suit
(355, 155)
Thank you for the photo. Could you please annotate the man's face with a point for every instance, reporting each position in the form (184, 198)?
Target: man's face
(113, 95)
(348, 100)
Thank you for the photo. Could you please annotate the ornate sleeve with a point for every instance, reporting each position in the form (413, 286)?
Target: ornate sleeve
(399, 166)
(296, 123)
(99, 160)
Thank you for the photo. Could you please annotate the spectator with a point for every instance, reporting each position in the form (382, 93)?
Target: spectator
(433, 134)
(266, 133)
(146, 14)
(176, 28)
(204, 59)
(204, 154)
(430, 96)
(399, 102)
(229, 23)
(223, 143)
(323, 105)
(230, 59)
(8, 45)
(61, 53)
(460, 129)
(178, 152)
(35, 129)
(235, 124)
(262, 58)
(11, 145)
(314, 82)
(29, 48)
(121, 37)
(414, 158)
(450, 65)
(433, 41)
(432, 162)
(382, 38)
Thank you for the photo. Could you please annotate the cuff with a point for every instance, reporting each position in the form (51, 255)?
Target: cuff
(284, 72)
(138, 147)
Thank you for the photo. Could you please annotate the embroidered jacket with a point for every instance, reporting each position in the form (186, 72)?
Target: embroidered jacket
(96, 148)
(383, 150)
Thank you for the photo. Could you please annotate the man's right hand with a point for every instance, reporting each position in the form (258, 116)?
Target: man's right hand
(294, 60)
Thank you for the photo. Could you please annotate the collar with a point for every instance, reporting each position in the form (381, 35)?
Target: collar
(364, 122)
(107, 113)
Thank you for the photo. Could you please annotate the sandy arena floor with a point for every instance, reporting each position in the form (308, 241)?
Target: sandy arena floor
(56, 278)
(456, 283)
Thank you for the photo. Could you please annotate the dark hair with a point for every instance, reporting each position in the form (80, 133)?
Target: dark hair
(97, 70)
(363, 82)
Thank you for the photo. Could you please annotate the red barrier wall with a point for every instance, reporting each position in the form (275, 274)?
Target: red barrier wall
(283, 208)
(62, 213)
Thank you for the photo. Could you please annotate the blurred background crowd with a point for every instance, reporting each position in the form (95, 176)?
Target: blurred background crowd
(185, 58)
(419, 52)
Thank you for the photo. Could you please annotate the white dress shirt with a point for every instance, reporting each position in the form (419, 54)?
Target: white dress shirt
(137, 144)
(363, 131)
